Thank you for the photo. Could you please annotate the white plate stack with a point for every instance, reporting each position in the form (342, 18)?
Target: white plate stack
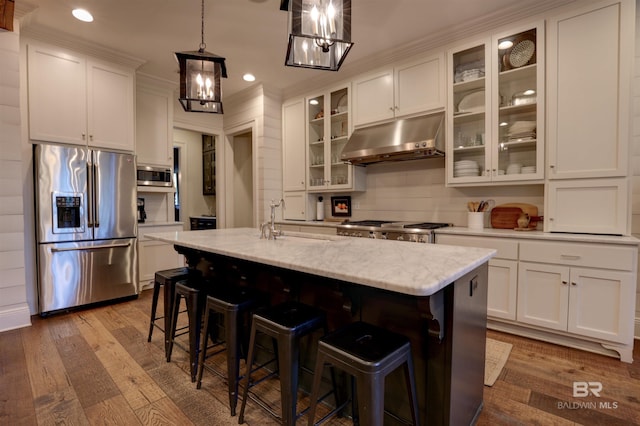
(464, 168)
(528, 169)
(514, 168)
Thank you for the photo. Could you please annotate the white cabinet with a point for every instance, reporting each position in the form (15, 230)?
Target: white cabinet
(408, 89)
(293, 146)
(587, 290)
(590, 75)
(154, 126)
(503, 272)
(328, 128)
(589, 302)
(154, 255)
(590, 59)
(496, 109)
(595, 206)
(77, 100)
(296, 205)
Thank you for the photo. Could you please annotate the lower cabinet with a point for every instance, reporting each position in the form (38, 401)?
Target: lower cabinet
(580, 294)
(589, 302)
(154, 255)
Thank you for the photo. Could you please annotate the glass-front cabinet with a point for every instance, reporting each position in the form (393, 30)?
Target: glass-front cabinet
(496, 109)
(328, 129)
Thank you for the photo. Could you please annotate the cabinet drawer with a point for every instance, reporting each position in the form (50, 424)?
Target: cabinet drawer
(589, 255)
(506, 248)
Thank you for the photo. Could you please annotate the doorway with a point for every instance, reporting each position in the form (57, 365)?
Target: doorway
(243, 180)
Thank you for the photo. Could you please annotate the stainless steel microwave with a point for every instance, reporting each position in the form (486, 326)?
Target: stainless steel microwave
(154, 176)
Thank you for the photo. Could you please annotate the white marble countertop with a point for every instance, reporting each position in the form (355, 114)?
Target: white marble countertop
(148, 224)
(539, 235)
(414, 269)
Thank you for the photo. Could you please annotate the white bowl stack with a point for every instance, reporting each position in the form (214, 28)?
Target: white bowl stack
(514, 168)
(528, 169)
(464, 168)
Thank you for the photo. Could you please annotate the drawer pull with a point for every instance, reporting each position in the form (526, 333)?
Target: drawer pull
(570, 256)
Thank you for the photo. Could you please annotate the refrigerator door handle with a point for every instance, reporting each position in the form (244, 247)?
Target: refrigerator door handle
(57, 250)
(90, 197)
(96, 194)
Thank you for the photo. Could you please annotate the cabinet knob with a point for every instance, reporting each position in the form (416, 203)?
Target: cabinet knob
(564, 282)
(84, 136)
(390, 108)
(551, 166)
(551, 219)
(91, 137)
(573, 283)
(396, 108)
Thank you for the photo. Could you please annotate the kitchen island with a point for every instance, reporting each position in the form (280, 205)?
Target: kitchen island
(435, 295)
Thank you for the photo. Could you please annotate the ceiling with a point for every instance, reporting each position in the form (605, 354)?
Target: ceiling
(252, 34)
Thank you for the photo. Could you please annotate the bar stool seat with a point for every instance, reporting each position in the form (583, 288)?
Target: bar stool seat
(233, 304)
(286, 324)
(368, 353)
(166, 279)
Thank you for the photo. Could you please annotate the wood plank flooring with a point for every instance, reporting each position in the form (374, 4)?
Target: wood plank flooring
(95, 367)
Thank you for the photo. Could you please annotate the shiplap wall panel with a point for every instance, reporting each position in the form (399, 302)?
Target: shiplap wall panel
(635, 155)
(14, 311)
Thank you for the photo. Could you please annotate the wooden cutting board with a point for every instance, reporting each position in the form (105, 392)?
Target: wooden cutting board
(526, 208)
(505, 217)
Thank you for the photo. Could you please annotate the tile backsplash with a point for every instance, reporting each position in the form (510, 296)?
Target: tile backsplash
(415, 190)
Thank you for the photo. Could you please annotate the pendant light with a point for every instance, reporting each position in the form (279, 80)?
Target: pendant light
(319, 33)
(200, 73)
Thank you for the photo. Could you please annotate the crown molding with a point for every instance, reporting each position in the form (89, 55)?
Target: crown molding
(58, 38)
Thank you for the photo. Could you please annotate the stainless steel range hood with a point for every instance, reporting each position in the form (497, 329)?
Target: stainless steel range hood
(405, 139)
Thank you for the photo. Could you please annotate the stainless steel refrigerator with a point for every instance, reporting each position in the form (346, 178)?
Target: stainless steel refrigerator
(86, 225)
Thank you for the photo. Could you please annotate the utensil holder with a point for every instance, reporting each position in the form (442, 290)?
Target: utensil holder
(475, 220)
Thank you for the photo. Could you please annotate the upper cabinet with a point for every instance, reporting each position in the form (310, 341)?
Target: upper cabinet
(590, 58)
(77, 100)
(412, 88)
(154, 131)
(328, 130)
(496, 109)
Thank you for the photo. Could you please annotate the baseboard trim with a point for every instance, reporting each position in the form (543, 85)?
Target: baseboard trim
(15, 317)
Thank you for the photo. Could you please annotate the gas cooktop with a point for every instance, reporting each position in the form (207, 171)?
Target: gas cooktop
(421, 232)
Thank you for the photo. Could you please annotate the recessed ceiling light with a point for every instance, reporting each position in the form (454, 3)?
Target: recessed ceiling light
(249, 77)
(82, 15)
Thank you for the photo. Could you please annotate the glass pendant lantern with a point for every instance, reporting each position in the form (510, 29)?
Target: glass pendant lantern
(200, 73)
(319, 33)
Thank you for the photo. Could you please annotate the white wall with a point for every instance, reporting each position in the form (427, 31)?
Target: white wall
(635, 155)
(260, 109)
(415, 190)
(14, 310)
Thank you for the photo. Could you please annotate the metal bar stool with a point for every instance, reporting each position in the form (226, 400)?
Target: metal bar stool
(285, 323)
(194, 296)
(166, 279)
(233, 304)
(368, 353)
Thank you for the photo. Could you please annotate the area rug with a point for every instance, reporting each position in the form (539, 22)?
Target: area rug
(497, 354)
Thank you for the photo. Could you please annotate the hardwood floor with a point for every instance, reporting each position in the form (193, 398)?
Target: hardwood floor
(95, 367)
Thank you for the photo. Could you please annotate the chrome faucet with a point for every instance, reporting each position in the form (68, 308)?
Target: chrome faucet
(268, 229)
